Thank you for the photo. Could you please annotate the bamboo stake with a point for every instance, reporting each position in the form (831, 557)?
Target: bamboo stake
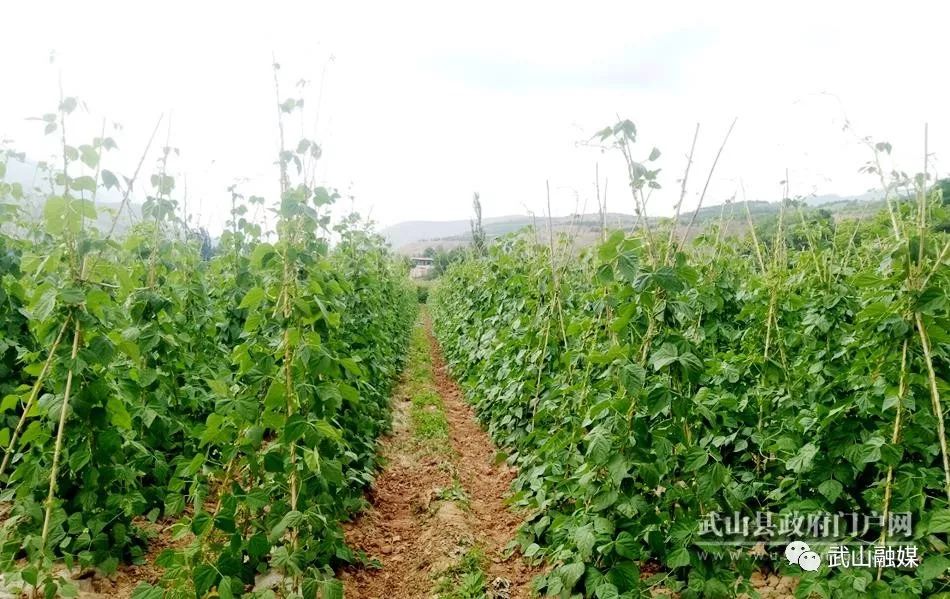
(57, 450)
(156, 232)
(755, 238)
(34, 393)
(895, 435)
(554, 269)
(286, 232)
(712, 170)
(935, 399)
(128, 189)
(671, 242)
(887, 192)
(601, 204)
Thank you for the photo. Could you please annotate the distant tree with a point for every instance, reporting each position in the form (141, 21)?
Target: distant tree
(207, 249)
(478, 233)
(815, 225)
(442, 259)
(941, 215)
(943, 187)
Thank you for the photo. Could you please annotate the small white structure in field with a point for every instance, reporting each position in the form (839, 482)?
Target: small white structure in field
(421, 265)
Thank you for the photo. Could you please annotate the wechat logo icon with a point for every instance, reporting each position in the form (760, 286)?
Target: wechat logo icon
(800, 554)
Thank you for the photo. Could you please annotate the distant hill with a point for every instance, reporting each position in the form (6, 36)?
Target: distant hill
(422, 230)
(831, 198)
(413, 237)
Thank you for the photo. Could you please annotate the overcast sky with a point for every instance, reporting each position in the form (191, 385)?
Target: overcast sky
(424, 103)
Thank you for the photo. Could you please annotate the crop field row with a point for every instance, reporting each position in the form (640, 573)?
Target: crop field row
(229, 398)
(196, 418)
(650, 387)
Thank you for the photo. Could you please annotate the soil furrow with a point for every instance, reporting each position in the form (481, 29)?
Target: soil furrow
(438, 524)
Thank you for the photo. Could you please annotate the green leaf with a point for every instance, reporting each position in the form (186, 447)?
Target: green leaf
(939, 522)
(295, 427)
(261, 255)
(933, 567)
(96, 301)
(276, 395)
(606, 590)
(628, 267)
(619, 468)
(291, 518)
(665, 355)
(109, 180)
(633, 376)
(204, 578)
(598, 447)
(252, 299)
(831, 489)
(571, 573)
(224, 589)
(200, 523)
(715, 589)
(328, 431)
(84, 183)
(678, 558)
(89, 156)
(118, 415)
(29, 575)
(258, 546)
(43, 306)
(71, 296)
(332, 589)
(9, 402)
(695, 458)
(147, 591)
(802, 461)
(626, 546)
(625, 576)
(585, 539)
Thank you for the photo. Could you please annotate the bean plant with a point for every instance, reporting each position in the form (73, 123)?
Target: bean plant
(227, 397)
(652, 381)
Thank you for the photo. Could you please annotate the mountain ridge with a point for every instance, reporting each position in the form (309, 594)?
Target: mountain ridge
(414, 236)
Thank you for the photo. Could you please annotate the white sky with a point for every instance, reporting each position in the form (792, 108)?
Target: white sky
(425, 103)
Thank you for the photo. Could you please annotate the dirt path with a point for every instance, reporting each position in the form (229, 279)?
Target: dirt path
(438, 525)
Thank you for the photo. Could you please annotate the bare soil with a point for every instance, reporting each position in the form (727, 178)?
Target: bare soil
(414, 528)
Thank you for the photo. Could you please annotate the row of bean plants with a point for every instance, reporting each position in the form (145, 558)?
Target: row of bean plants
(232, 394)
(648, 383)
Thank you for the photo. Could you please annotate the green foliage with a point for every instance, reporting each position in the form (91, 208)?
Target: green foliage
(442, 259)
(430, 428)
(14, 330)
(236, 392)
(942, 186)
(637, 392)
(422, 293)
(465, 579)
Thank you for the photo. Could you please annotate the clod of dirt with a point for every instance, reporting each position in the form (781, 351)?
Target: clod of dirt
(500, 588)
(270, 580)
(450, 515)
